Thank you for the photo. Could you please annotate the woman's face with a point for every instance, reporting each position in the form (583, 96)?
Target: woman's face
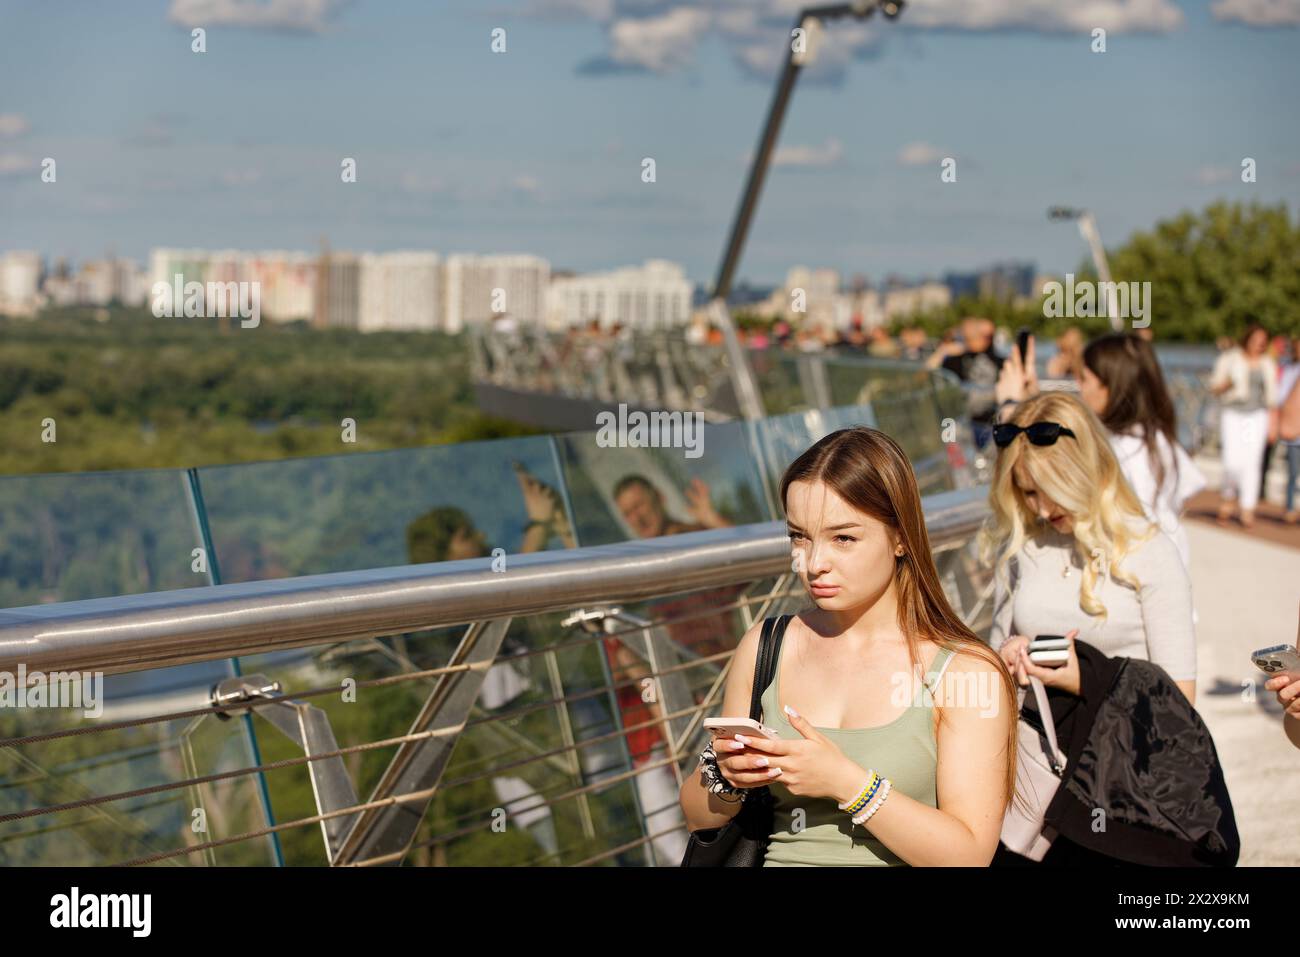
(844, 557)
(1095, 395)
(466, 543)
(1042, 505)
(1257, 343)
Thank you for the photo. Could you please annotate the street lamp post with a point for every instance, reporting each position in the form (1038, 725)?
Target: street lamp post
(1088, 229)
(810, 20)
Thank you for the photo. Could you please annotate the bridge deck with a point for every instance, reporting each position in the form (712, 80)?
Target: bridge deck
(1247, 592)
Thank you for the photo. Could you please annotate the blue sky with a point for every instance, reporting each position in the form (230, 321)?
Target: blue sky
(539, 149)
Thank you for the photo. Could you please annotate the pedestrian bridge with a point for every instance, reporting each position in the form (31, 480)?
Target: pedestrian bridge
(487, 653)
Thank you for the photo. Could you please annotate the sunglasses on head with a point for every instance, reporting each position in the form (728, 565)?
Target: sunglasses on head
(1039, 433)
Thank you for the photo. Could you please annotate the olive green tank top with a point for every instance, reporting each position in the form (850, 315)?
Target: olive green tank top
(904, 751)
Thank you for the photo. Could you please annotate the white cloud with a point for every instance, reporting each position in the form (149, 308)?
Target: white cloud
(1046, 16)
(591, 9)
(526, 184)
(1213, 175)
(919, 154)
(1259, 13)
(12, 164)
(662, 35)
(13, 124)
(659, 44)
(308, 16)
(422, 183)
(828, 154)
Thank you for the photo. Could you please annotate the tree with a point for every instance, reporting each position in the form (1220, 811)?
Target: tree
(1215, 272)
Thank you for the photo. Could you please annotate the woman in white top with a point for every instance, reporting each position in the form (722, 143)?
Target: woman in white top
(1245, 380)
(1074, 551)
(1121, 382)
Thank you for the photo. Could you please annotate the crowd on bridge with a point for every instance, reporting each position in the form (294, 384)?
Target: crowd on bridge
(1089, 557)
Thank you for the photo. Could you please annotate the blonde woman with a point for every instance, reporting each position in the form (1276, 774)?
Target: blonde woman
(943, 762)
(1074, 551)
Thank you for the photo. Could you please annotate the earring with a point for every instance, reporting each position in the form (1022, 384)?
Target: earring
(899, 551)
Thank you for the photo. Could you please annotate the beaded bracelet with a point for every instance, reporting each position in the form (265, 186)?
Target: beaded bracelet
(865, 795)
(875, 805)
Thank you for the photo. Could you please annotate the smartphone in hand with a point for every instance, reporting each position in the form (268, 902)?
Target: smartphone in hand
(1049, 651)
(730, 727)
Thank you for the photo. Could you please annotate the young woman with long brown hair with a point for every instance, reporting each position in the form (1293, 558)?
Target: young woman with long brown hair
(935, 767)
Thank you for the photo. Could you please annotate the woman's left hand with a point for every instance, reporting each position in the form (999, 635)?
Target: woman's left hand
(812, 766)
(1065, 677)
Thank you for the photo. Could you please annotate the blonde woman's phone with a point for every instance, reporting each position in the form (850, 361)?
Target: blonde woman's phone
(1049, 651)
(730, 727)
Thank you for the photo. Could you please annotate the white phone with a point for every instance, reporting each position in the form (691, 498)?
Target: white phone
(1050, 651)
(730, 727)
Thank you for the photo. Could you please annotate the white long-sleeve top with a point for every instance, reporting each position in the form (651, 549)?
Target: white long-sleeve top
(1233, 367)
(1164, 507)
(1152, 624)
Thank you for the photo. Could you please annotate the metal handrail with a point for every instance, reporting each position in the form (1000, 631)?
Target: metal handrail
(160, 629)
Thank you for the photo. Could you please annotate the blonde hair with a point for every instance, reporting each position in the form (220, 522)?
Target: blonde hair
(1083, 477)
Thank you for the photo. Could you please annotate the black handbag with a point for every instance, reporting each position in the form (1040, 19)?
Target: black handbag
(742, 841)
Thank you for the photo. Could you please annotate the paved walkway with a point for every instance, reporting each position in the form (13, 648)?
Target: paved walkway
(1269, 524)
(1247, 595)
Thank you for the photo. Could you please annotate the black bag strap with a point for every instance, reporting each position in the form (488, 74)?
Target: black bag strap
(769, 653)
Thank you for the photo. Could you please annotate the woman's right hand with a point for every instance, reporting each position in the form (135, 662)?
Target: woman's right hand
(1011, 652)
(1018, 380)
(741, 767)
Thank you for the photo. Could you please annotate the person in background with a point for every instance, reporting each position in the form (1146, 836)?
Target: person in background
(978, 366)
(1121, 383)
(1288, 696)
(912, 340)
(643, 509)
(1287, 386)
(781, 332)
(697, 333)
(1245, 380)
(880, 345)
(1068, 361)
(1279, 350)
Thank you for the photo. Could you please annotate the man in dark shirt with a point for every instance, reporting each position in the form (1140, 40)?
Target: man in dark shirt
(977, 365)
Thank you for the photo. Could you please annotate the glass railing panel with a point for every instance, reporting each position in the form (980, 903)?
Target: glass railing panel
(80, 536)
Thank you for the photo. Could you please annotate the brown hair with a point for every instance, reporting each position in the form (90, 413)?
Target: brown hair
(1251, 329)
(869, 471)
(1128, 368)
